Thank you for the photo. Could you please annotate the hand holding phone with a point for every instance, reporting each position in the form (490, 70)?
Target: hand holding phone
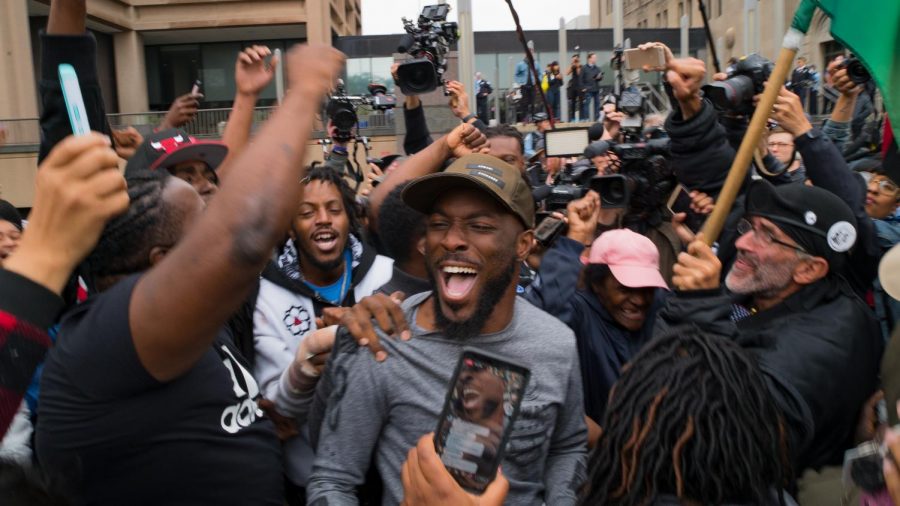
(78, 118)
(637, 59)
(480, 408)
(681, 202)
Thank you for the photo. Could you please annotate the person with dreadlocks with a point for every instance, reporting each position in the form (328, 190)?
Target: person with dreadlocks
(322, 265)
(690, 421)
(144, 398)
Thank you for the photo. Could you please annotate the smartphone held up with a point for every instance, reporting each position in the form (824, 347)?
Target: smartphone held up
(480, 408)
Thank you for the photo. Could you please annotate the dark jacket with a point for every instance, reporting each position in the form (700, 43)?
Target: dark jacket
(701, 153)
(589, 74)
(819, 351)
(603, 345)
(417, 135)
(81, 52)
(826, 168)
(27, 309)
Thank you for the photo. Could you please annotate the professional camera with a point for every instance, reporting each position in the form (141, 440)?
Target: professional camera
(341, 108)
(645, 178)
(428, 42)
(573, 183)
(747, 79)
(856, 71)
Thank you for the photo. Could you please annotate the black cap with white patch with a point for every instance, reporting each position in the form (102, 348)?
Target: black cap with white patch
(818, 220)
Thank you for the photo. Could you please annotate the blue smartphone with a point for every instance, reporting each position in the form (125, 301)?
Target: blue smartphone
(78, 118)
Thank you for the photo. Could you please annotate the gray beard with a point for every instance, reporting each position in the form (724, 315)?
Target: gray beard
(766, 281)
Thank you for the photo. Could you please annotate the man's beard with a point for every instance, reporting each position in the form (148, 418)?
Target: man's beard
(766, 280)
(493, 291)
(307, 259)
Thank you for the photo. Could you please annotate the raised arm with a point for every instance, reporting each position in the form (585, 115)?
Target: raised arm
(462, 140)
(178, 307)
(251, 76)
(66, 41)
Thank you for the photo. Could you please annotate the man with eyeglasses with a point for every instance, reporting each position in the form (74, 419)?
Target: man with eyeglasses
(781, 146)
(816, 341)
(882, 205)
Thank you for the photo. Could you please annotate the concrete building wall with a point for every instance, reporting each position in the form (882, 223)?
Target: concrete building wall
(127, 24)
(739, 27)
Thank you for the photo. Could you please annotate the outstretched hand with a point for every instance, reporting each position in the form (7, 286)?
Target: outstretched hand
(251, 73)
(182, 111)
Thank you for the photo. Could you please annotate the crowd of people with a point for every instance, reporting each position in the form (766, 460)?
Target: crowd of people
(223, 323)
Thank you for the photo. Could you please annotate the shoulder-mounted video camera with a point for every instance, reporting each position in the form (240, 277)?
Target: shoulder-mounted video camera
(428, 41)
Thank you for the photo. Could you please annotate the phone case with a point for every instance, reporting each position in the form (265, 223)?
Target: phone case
(482, 477)
(635, 59)
(78, 118)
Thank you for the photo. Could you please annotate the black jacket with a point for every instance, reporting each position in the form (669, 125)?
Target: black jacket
(81, 52)
(819, 352)
(826, 168)
(603, 345)
(589, 74)
(700, 151)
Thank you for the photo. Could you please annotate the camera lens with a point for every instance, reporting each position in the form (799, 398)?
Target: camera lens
(417, 76)
(730, 94)
(857, 72)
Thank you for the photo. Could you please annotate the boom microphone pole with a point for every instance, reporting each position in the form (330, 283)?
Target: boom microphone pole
(530, 58)
(709, 39)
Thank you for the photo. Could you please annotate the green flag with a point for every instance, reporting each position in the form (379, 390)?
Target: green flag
(871, 30)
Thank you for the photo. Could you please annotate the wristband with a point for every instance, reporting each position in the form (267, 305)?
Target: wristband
(467, 118)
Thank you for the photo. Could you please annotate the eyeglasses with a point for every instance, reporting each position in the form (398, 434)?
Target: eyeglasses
(780, 145)
(884, 186)
(764, 236)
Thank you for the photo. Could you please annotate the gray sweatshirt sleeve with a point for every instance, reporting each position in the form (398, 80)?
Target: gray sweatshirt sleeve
(356, 412)
(567, 460)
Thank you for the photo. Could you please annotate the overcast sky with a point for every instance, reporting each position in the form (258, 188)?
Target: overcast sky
(383, 16)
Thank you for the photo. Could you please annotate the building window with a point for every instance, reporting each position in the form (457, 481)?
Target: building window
(719, 11)
(665, 17)
(658, 18)
(609, 6)
(680, 9)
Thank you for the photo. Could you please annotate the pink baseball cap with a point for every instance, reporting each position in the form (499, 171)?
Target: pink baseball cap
(632, 258)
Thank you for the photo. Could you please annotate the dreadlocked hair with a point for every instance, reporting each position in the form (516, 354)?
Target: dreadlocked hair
(326, 174)
(690, 417)
(124, 246)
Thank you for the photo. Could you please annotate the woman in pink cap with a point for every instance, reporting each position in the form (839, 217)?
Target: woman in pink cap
(609, 299)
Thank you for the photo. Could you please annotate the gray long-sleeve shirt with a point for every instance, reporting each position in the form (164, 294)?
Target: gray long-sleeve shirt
(384, 408)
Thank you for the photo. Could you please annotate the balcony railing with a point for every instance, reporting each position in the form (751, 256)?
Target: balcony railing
(24, 134)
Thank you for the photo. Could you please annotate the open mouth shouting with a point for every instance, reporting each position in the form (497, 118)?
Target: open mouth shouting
(325, 240)
(456, 282)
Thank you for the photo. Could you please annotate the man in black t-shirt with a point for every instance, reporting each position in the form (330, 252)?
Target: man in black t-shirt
(144, 400)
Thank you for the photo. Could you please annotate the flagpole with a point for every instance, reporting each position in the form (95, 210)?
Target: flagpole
(741, 164)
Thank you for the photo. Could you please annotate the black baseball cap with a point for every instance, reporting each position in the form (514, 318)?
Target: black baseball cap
(489, 174)
(818, 220)
(172, 146)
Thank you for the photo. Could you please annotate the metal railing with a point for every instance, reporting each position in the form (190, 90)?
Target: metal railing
(207, 123)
